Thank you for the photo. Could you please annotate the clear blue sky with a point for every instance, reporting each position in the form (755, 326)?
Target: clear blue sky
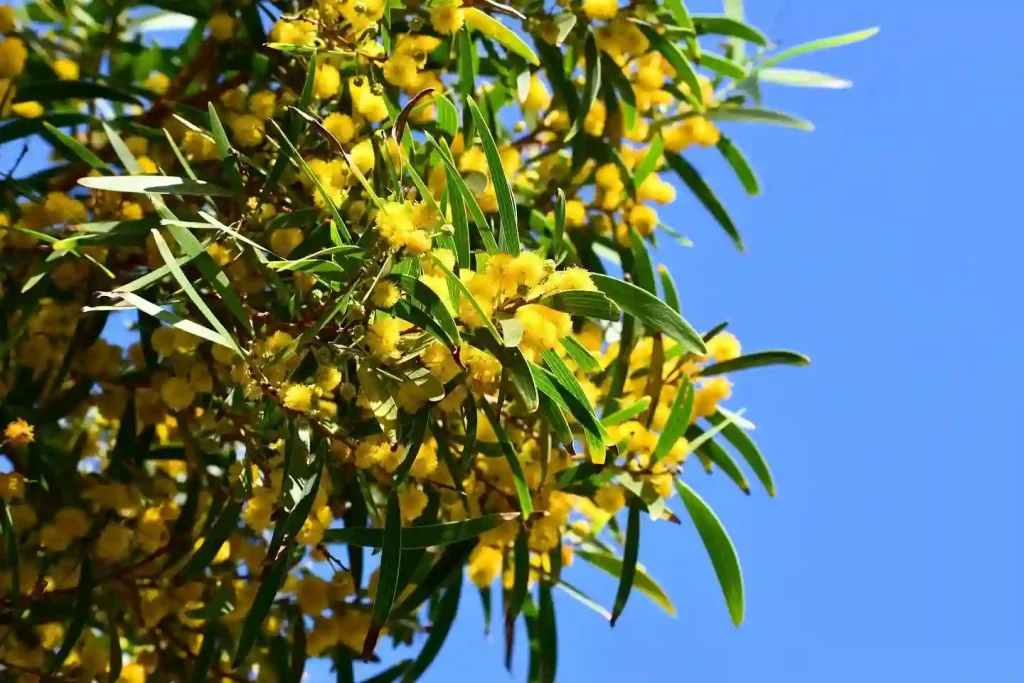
(886, 246)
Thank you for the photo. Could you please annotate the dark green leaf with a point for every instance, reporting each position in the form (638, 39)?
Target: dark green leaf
(115, 650)
(719, 547)
(649, 163)
(759, 359)
(689, 175)
(522, 490)
(447, 608)
(298, 659)
(76, 148)
(509, 234)
(387, 577)
(227, 157)
(226, 522)
(431, 304)
(207, 654)
(651, 311)
(451, 561)
(746, 447)
(591, 85)
(643, 271)
(711, 452)
(270, 583)
(630, 553)
(580, 354)
(455, 179)
(740, 166)
(18, 128)
(668, 288)
(678, 419)
(51, 91)
(583, 303)
(11, 562)
(520, 578)
(726, 26)
(82, 609)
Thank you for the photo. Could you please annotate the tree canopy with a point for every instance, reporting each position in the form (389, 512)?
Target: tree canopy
(396, 336)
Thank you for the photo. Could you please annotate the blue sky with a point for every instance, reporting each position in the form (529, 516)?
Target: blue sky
(885, 246)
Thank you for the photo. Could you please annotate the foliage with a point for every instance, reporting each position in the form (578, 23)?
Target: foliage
(389, 279)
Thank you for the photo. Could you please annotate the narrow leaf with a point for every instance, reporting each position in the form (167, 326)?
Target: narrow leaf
(518, 478)
(651, 311)
(82, 609)
(591, 85)
(727, 26)
(699, 187)
(746, 447)
(76, 148)
(492, 28)
(801, 78)
(387, 577)
(678, 420)
(630, 553)
(758, 115)
(155, 184)
(820, 44)
(509, 233)
(740, 166)
(759, 359)
(270, 583)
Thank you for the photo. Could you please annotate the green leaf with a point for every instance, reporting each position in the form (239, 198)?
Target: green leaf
(758, 115)
(270, 584)
(155, 184)
(727, 26)
(548, 632)
(649, 163)
(82, 609)
(492, 28)
(227, 158)
(520, 578)
(11, 562)
(722, 66)
(447, 115)
(580, 408)
(76, 148)
(581, 597)
(583, 303)
(699, 187)
(519, 479)
(815, 45)
(207, 654)
(455, 178)
(681, 15)
(447, 608)
(522, 377)
(580, 354)
(115, 649)
(591, 85)
(18, 128)
(509, 234)
(801, 78)
(643, 271)
(629, 556)
(759, 359)
(227, 521)
(671, 52)
(298, 658)
(53, 91)
(628, 413)
(651, 311)
(431, 303)
(668, 288)
(387, 577)
(740, 166)
(746, 447)
(172, 319)
(426, 536)
(716, 455)
(451, 561)
(678, 419)
(719, 547)
(564, 22)
(186, 284)
(642, 581)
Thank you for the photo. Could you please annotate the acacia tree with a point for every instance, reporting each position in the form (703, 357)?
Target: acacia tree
(396, 331)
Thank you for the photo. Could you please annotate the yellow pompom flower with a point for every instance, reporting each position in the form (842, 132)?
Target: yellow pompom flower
(66, 69)
(383, 337)
(326, 81)
(19, 432)
(298, 397)
(709, 394)
(114, 542)
(177, 393)
(385, 294)
(28, 110)
(222, 26)
(411, 501)
(340, 126)
(12, 485)
(247, 130)
(643, 219)
(284, 241)
(600, 9)
(13, 54)
(328, 378)
(724, 346)
(484, 565)
(8, 18)
(610, 498)
(157, 82)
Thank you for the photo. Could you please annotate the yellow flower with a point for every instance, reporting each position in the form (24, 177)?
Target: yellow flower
(133, 672)
(600, 9)
(398, 224)
(73, 521)
(537, 96)
(29, 110)
(285, 240)
(341, 127)
(177, 393)
(263, 104)
(448, 19)
(8, 18)
(710, 393)
(247, 130)
(383, 337)
(312, 595)
(643, 219)
(363, 156)
(298, 397)
(412, 501)
(385, 295)
(13, 54)
(326, 82)
(66, 69)
(610, 498)
(12, 485)
(724, 346)
(222, 26)
(19, 432)
(157, 82)
(484, 565)
(114, 542)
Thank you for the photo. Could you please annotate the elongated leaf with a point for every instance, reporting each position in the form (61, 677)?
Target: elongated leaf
(668, 288)
(447, 114)
(649, 163)
(447, 609)
(51, 91)
(82, 609)
(155, 184)
(740, 166)
(816, 45)
(580, 354)
(711, 452)
(624, 87)
(582, 597)
(642, 581)
(759, 359)
(801, 78)
(719, 547)
(509, 233)
(492, 28)
(746, 447)
(451, 561)
(270, 583)
(227, 157)
(591, 84)
(680, 14)
(678, 419)
(464, 291)
(456, 179)
(568, 380)
(387, 576)
(426, 536)
(186, 285)
(518, 478)
(76, 148)
(205, 658)
(643, 271)
(431, 304)
(758, 115)
(522, 377)
(699, 187)
(149, 308)
(520, 578)
(115, 649)
(628, 413)
(722, 66)
(630, 553)
(651, 311)
(226, 522)
(727, 26)
(584, 303)
(10, 534)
